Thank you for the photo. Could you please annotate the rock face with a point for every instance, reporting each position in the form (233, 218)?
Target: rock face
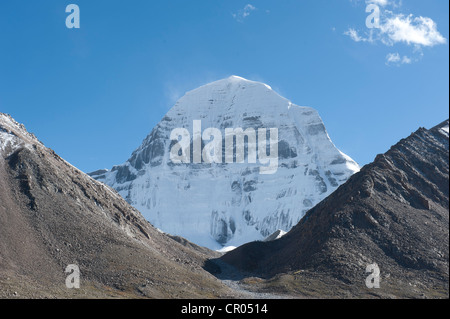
(394, 212)
(53, 215)
(228, 204)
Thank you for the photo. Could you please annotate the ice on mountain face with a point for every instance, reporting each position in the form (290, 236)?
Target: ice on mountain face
(229, 204)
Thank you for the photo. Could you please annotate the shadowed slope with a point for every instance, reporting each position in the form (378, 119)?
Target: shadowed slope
(394, 212)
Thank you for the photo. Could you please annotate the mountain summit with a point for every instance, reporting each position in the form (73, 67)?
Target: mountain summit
(219, 203)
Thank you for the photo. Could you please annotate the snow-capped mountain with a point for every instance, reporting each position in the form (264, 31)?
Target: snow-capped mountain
(229, 204)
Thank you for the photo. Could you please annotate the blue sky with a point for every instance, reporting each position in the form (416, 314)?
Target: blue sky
(93, 94)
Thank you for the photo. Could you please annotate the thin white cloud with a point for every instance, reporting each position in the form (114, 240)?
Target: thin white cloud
(381, 3)
(397, 59)
(398, 28)
(393, 58)
(247, 9)
(384, 3)
(353, 34)
(243, 13)
(406, 60)
(420, 31)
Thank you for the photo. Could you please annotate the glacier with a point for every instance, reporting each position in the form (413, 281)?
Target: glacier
(228, 204)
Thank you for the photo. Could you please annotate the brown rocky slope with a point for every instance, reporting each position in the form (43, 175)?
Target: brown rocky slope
(394, 212)
(53, 215)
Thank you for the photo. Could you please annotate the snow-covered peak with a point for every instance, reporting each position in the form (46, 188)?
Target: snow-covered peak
(238, 79)
(233, 80)
(228, 204)
(234, 88)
